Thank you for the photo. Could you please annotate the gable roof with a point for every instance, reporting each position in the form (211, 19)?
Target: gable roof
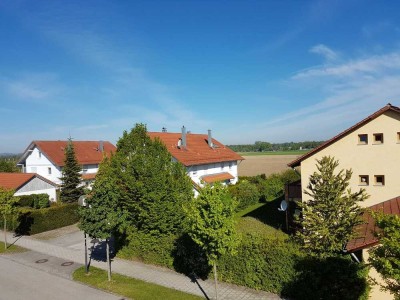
(197, 151)
(14, 181)
(365, 232)
(87, 152)
(376, 114)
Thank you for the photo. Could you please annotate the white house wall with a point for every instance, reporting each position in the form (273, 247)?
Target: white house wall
(37, 162)
(198, 171)
(37, 186)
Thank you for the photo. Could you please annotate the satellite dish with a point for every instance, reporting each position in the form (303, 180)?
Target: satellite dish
(284, 206)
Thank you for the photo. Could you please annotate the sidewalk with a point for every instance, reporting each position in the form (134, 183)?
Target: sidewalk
(149, 273)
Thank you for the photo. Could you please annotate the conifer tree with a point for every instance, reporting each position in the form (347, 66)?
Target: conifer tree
(331, 212)
(71, 188)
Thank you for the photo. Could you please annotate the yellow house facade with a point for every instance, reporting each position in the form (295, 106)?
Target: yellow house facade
(371, 149)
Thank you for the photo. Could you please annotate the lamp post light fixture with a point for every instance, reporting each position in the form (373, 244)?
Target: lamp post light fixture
(82, 202)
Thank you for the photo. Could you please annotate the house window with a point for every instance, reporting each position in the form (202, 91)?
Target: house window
(363, 139)
(364, 180)
(49, 170)
(398, 137)
(222, 166)
(379, 179)
(40, 154)
(84, 169)
(230, 166)
(194, 171)
(378, 138)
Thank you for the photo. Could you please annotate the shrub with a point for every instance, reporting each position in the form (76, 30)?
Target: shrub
(32, 221)
(34, 201)
(261, 263)
(328, 278)
(246, 193)
(149, 248)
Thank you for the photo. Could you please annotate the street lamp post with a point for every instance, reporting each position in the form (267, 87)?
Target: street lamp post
(82, 202)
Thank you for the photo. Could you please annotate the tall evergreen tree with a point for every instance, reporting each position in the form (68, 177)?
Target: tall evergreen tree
(71, 188)
(331, 213)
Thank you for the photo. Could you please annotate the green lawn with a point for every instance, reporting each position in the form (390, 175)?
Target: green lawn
(292, 152)
(11, 249)
(128, 287)
(263, 218)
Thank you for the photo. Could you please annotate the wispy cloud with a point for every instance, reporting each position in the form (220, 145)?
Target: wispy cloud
(324, 51)
(372, 65)
(34, 87)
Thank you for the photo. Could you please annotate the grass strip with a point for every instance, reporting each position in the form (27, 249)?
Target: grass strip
(127, 286)
(11, 249)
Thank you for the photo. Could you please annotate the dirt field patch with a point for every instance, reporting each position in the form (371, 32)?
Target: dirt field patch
(264, 164)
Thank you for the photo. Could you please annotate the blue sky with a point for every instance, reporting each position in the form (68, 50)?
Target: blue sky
(274, 71)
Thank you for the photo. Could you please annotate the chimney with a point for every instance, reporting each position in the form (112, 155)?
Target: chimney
(183, 137)
(210, 143)
(101, 146)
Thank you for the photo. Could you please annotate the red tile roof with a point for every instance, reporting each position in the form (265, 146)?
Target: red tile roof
(365, 232)
(89, 176)
(384, 109)
(217, 177)
(14, 181)
(87, 152)
(197, 151)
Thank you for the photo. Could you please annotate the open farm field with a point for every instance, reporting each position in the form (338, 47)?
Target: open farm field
(264, 164)
(291, 152)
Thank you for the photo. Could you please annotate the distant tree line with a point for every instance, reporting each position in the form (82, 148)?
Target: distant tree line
(8, 163)
(260, 146)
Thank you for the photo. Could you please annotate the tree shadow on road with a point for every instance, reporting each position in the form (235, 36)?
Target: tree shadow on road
(98, 250)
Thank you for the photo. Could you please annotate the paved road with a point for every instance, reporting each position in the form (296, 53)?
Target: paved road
(18, 281)
(69, 246)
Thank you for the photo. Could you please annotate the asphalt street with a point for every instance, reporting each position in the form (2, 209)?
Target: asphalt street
(20, 282)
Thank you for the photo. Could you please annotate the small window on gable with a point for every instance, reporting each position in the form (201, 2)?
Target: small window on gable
(364, 180)
(40, 154)
(379, 179)
(363, 139)
(378, 138)
(49, 170)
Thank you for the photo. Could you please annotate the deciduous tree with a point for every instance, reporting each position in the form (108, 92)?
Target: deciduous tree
(212, 223)
(71, 188)
(385, 258)
(7, 207)
(103, 215)
(331, 212)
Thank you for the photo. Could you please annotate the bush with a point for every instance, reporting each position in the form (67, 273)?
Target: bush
(261, 263)
(246, 193)
(329, 278)
(149, 248)
(32, 221)
(34, 201)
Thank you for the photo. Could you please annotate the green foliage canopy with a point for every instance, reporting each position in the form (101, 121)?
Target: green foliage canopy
(332, 211)
(386, 257)
(8, 165)
(152, 186)
(102, 215)
(211, 221)
(71, 178)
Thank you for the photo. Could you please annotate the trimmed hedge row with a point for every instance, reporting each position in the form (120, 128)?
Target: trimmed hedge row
(34, 201)
(31, 221)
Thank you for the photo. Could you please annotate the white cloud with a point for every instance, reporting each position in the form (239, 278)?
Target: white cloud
(324, 51)
(359, 67)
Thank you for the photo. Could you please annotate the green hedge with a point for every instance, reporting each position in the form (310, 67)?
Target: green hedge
(34, 201)
(32, 221)
(261, 263)
(245, 192)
